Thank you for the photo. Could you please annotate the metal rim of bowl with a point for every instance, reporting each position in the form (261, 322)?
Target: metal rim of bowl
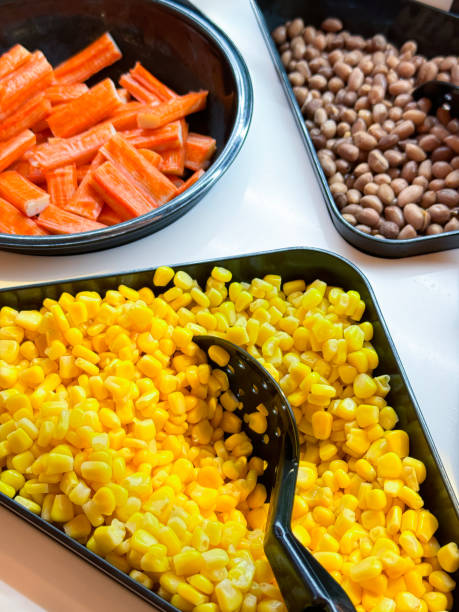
(173, 208)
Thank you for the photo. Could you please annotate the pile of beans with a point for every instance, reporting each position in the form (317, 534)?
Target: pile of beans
(392, 168)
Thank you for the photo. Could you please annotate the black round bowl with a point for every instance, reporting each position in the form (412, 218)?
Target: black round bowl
(181, 47)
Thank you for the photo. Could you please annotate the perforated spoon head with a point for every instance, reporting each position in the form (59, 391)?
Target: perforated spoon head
(304, 583)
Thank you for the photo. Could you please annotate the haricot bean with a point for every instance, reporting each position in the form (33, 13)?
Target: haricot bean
(392, 168)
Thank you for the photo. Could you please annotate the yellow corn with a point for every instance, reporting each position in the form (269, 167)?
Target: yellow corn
(162, 276)
(113, 425)
(448, 557)
(441, 581)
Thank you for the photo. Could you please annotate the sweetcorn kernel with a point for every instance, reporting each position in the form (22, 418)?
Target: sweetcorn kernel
(115, 427)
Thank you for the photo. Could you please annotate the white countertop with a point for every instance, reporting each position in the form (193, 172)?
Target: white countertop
(268, 199)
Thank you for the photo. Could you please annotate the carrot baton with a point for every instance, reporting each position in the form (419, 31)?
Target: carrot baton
(61, 94)
(27, 197)
(151, 156)
(190, 181)
(12, 59)
(124, 95)
(157, 116)
(121, 193)
(125, 118)
(61, 184)
(151, 83)
(25, 117)
(173, 161)
(148, 178)
(137, 90)
(176, 180)
(78, 150)
(86, 111)
(13, 149)
(108, 216)
(198, 151)
(167, 137)
(26, 81)
(101, 53)
(58, 221)
(34, 175)
(81, 172)
(86, 202)
(12, 221)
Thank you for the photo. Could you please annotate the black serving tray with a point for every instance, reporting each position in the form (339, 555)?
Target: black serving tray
(308, 264)
(436, 32)
(181, 47)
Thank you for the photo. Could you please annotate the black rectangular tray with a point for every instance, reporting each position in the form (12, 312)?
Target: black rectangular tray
(436, 32)
(305, 263)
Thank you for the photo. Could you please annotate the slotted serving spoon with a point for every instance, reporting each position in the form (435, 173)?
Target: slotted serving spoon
(304, 583)
(439, 93)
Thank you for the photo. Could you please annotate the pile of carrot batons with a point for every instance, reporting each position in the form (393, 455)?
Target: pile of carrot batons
(74, 158)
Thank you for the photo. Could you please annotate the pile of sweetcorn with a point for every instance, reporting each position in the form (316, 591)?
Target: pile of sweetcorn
(114, 427)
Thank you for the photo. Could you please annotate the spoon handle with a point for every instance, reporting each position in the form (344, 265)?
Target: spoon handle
(304, 583)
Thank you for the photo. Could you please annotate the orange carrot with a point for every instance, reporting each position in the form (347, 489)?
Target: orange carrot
(173, 161)
(13, 149)
(86, 202)
(61, 184)
(137, 90)
(167, 137)
(151, 156)
(25, 117)
(12, 59)
(27, 197)
(61, 94)
(84, 112)
(191, 181)
(34, 175)
(109, 216)
(78, 150)
(178, 182)
(41, 127)
(161, 114)
(12, 221)
(151, 83)
(58, 221)
(198, 151)
(120, 193)
(125, 118)
(81, 172)
(19, 86)
(101, 53)
(124, 95)
(124, 156)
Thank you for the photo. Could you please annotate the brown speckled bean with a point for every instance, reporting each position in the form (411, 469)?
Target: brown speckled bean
(411, 194)
(395, 215)
(433, 229)
(450, 197)
(439, 213)
(452, 225)
(388, 229)
(372, 201)
(452, 179)
(415, 152)
(392, 168)
(416, 216)
(368, 216)
(407, 232)
(363, 228)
